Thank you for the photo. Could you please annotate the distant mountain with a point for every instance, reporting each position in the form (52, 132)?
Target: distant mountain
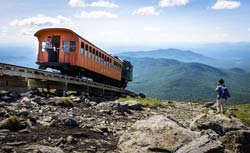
(236, 54)
(174, 80)
(224, 56)
(181, 55)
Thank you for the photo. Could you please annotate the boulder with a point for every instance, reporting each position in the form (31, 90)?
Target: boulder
(122, 108)
(133, 105)
(158, 134)
(203, 144)
(71, 122)
(220, 123)
(237, 141)
(26, 102)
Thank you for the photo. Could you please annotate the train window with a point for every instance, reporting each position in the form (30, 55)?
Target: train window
(86, 47)
(89, 53)
(43, 46)
(82, 48)
(65, 46)
(72, 47)
(96, 55)
(93, 55)
(86, 53)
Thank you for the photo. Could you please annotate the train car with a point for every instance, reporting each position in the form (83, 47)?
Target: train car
(64, 50)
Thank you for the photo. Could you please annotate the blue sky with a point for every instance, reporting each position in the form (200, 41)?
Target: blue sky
(129, 22)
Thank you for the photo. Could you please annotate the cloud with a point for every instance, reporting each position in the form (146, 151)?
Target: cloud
(99, 3)
(151, 29)
(40, 21)
(77, 3)
(150, 10)
(105, 4)
(226, 4)
(248, 29)
(96, 15)
(3, 31)
(172, 3)
(28, 31)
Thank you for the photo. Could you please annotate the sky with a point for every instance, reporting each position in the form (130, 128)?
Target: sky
(111, 23)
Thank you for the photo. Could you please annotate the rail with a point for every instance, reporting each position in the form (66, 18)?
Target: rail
(30, 73)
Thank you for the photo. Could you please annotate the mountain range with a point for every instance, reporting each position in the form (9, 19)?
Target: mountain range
(174, 80)
(224, 58)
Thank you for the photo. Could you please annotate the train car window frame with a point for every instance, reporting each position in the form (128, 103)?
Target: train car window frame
(72, 45)
(65, 46)
(43, 45)
(96, 55)
(93, 54)
(86, 48)
(82, 51)
(89, 53)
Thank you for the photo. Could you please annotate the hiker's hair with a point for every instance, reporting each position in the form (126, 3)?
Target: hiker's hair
(221, 81)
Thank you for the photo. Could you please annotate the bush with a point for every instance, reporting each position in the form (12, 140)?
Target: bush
(65, 101)
(12, 123)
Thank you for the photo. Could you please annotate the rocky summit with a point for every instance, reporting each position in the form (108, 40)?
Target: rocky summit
(33, 122)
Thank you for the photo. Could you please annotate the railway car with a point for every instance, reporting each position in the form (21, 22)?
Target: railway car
(64, 50)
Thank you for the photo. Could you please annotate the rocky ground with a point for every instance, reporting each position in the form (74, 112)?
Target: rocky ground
(33, 122)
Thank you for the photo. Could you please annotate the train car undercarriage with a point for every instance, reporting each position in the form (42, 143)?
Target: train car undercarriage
(74, 71)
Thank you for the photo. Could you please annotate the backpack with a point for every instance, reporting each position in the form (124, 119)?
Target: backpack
(224, 92)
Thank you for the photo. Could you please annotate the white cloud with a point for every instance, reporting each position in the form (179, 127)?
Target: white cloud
(102, 3)
(151, 29)
(172, 3)
(99, 3)
(96, 15)
(248, 29)
(77, 3)
(150, 10)
(28, 31)
(226, 4)
(40, 21)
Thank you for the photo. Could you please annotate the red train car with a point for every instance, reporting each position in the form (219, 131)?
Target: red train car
(64, 50)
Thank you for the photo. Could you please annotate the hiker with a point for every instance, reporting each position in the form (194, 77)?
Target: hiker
(222, 95)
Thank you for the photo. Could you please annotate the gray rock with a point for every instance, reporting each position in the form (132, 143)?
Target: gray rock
(220, 123)
(133, 105)
(70, 139)
(7, 98)
(122, 108)
(19, 143)
(203, 144)
(158, 133)
(71, 122)
(208, 104)
(43, 149)
(2, 104)
(237, 141)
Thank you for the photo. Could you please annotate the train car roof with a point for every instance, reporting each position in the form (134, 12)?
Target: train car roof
(39, 32)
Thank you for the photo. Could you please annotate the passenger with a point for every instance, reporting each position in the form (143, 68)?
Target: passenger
(49, 49)
(49, 44)
(222, 95)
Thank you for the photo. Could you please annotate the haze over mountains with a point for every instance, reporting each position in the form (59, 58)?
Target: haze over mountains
(223, 58)
(172, 73)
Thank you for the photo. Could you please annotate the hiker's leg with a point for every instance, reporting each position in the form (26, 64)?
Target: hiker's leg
(223, 105)
(218, 106)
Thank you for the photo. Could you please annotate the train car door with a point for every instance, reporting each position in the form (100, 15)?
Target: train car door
(54, 55)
